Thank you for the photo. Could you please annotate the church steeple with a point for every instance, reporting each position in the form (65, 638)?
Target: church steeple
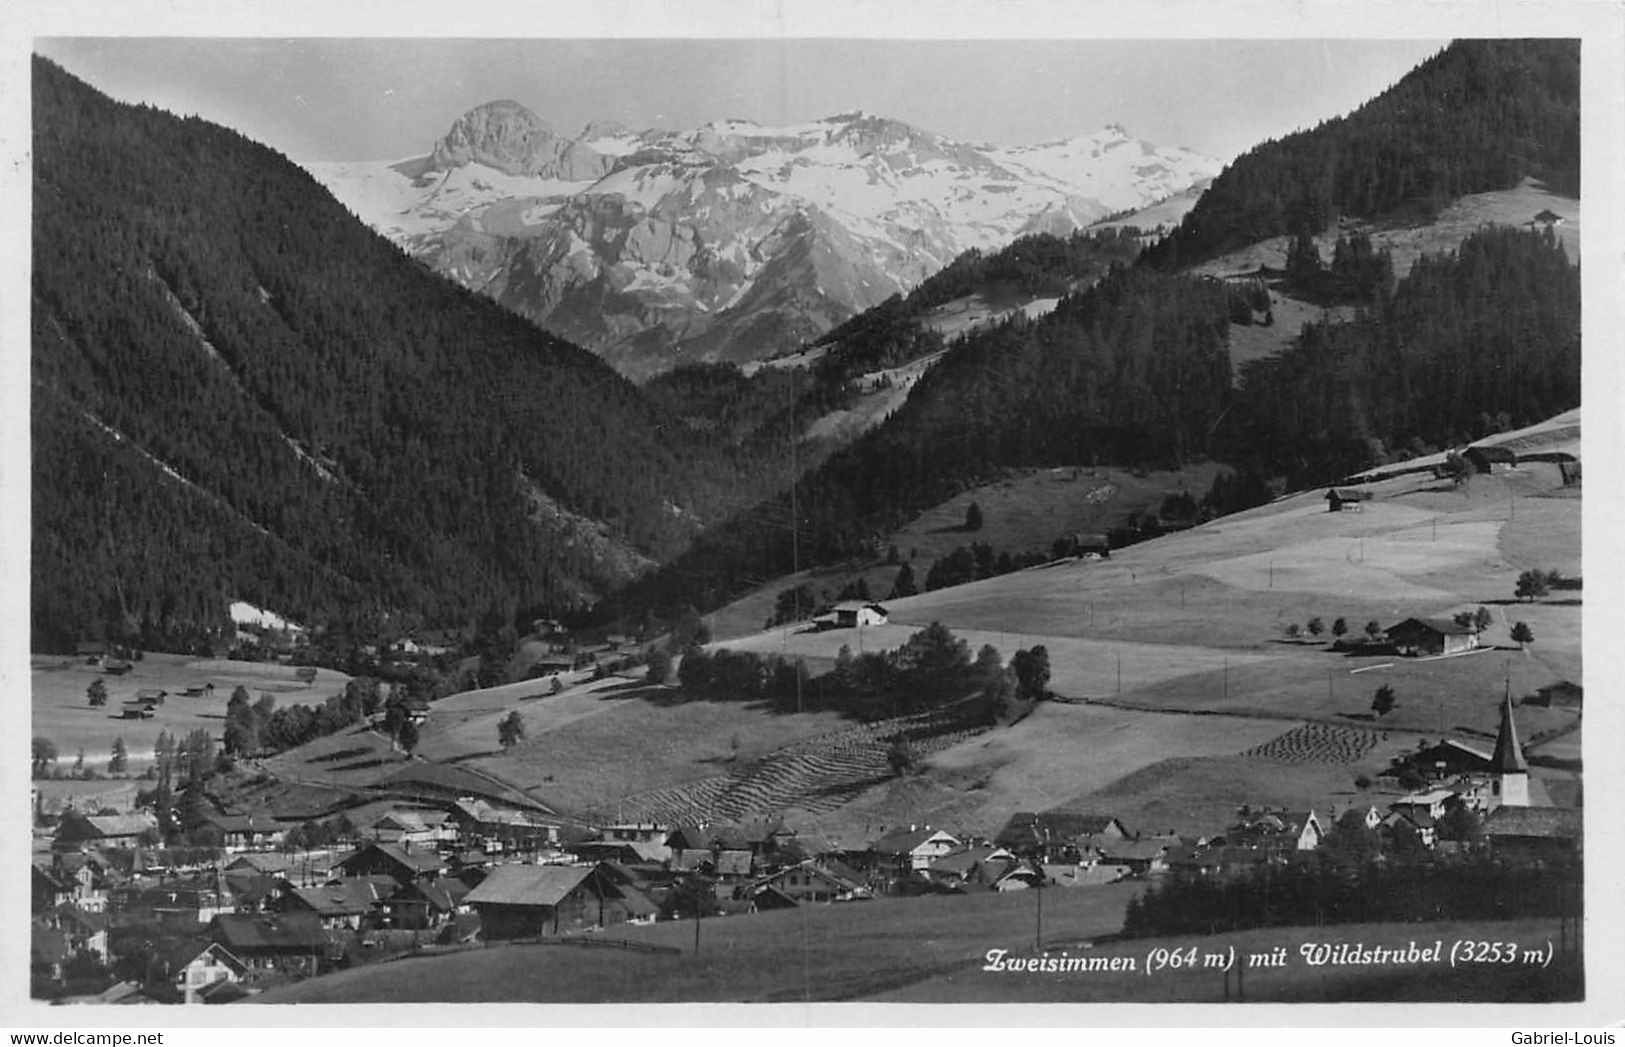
(1508, 764)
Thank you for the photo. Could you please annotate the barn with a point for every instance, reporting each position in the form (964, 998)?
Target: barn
(854, 613)
(1345, 499)
(1419, 636)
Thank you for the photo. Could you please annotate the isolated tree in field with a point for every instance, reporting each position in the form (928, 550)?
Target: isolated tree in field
(79, 763)
(1382, 703)
(973, 517)
(44, 755)
(1532, 585)
(1522, 635)
(120, 759)
(902, 756)
(1294, 631)
(1032, 672)
(904, 585)
(1340, 628)
(1482, 618)
(511, 731)
(1316, 626)
(557, 687)
(408, 736)
(1373, 629)
(659, 667)
(97, 693)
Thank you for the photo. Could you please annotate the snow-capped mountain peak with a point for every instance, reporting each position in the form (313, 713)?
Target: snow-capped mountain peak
(733, 240)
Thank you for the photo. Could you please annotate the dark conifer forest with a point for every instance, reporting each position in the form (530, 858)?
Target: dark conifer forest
(239, 391)
(1478, 116)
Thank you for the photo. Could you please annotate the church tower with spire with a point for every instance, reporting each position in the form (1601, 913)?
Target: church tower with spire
(1510, 769)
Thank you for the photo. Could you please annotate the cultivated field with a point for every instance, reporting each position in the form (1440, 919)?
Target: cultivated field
(1193, 623)
(62, 712)
(641, 740)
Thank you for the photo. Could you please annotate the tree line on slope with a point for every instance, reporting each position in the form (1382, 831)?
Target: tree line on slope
(1479, 116)
(242, 392)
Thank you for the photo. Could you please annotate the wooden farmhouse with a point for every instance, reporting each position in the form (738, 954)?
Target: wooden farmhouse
(1345, 499)
(526, 901)
(1423, 636)
(915, 848)
(852, 614)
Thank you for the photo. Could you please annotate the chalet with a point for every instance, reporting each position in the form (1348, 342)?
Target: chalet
(49, 890)
(1536, 834)
(348, 903)
(1281, 830)
(1019, 876)
(511, 826)
(1345, 499)
(151, 696)
(915, 848)
(1489, 459)
(403, 862)
(1430, 805)
(72, 879)
(265, 863)
(417, 827)
(174, 902)
(136, 710)
(292, 942)
(78, 831)
(1432, 636)
(810, 881)
(1137, 857)
(196, 965)
(1547, 219)
(1412, 824)
(423, 904)
(252, 892)
(86, 932)
(1562, 695)
(206, 691)
(247, 832)
(1058, 836)
(850, 614)
(971, 867)
(522, 901)
(1449, 757)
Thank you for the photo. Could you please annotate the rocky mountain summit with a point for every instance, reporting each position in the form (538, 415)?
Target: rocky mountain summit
(732, 241)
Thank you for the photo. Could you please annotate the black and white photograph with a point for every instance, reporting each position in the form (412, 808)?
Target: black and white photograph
(817, 510)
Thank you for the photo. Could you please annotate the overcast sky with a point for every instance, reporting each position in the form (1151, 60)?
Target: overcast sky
(350, 99)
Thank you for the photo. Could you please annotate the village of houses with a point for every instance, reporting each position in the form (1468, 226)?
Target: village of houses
(432, 869)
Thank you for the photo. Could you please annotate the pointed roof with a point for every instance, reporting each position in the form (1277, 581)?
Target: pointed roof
(1508, 758)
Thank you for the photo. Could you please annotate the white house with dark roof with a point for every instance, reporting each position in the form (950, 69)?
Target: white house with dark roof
(851, 614)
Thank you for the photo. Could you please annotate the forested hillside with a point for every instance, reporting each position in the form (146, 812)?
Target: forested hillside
(1136, 369)
(241, 392)
(1481, 340)
(1133, 370)
(1480, 115)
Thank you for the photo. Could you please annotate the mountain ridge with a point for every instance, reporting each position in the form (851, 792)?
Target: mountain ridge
(882, 203)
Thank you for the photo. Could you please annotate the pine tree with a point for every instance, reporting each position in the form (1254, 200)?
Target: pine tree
(120, 759)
